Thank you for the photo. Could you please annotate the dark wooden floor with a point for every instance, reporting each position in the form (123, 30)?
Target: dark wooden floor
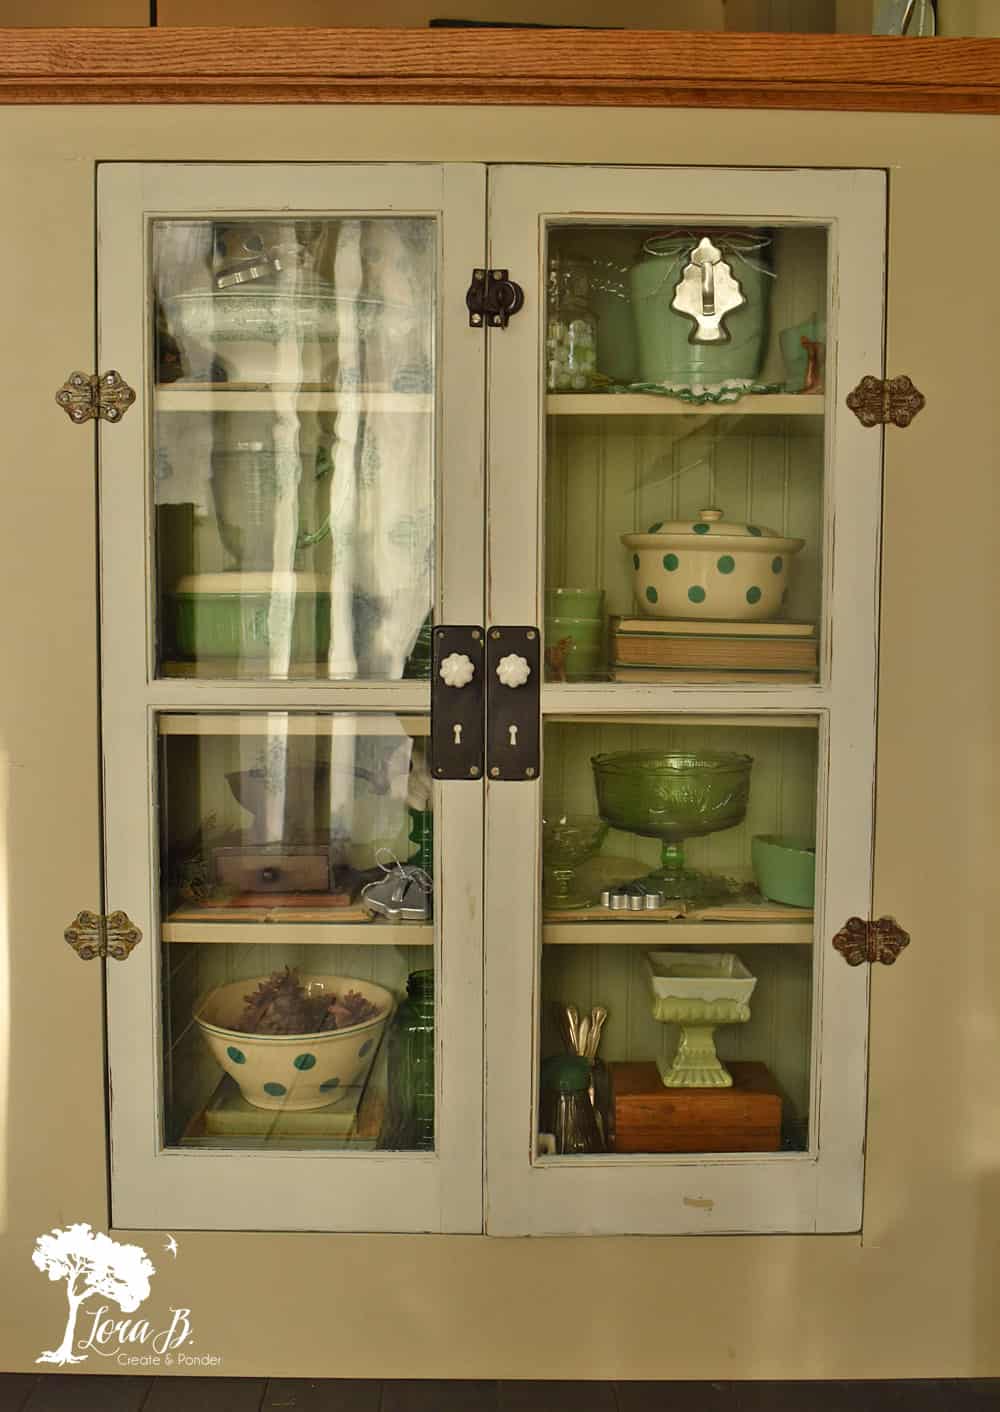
(55, 1392)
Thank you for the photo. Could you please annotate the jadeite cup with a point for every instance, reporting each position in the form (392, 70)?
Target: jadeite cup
(579, 643)
(574, 603)
(574, 617)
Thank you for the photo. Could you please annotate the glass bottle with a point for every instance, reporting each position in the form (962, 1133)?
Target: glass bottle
(409, 1113)
(571, 331)
(422, 836)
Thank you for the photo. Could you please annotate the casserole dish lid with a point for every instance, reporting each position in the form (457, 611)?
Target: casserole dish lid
(710, 527)
(713, 522)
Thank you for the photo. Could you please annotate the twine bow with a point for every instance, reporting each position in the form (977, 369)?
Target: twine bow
(676, 246)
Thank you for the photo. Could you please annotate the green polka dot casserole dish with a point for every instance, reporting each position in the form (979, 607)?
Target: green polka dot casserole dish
(710, 567)
(294, 1072)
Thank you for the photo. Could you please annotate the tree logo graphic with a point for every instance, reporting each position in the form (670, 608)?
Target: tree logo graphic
(91, 1264)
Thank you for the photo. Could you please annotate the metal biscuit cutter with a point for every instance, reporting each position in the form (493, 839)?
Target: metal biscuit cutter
(631, 897)
(403, 895)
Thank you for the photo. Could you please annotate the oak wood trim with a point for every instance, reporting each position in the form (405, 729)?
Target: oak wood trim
(630, 68)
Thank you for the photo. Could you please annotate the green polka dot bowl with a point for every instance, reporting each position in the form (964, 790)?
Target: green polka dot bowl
(294, 1072)
(710, 567)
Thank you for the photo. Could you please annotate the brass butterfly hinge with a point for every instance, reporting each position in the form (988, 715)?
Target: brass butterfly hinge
(94, 934)
(878, 401)
(86, 396)
(860, 940)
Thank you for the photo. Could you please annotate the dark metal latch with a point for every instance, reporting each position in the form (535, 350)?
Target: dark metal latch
(492, 298)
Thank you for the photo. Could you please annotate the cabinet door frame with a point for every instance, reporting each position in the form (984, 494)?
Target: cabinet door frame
(822, 1189)
(173, 1188)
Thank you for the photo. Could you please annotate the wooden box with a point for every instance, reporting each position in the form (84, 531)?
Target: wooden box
(649, 1117)
(285, 868)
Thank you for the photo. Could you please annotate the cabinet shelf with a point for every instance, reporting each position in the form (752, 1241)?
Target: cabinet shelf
(650, 404)
(749, 920)
(261, 722)
(265, 397)
(648, 932)
(293, 926)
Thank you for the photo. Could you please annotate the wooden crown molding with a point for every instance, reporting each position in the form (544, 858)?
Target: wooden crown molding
(631, 68)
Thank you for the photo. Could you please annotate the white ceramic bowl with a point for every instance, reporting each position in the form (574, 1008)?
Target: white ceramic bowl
(699, 975)
(264, 332)
(287, 331)
(710, 568)
(293, 1072)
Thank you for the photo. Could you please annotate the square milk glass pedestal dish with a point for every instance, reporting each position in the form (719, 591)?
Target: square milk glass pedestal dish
(698, 991)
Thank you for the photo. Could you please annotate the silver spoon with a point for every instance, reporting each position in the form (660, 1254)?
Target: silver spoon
(597, 1017)
(565, 1028)
(583, 1036)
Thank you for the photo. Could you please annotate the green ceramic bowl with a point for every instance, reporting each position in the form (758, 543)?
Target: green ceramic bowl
(785, 868)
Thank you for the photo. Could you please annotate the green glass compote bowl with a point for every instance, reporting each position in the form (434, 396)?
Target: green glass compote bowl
(568, 841)
(674, 795)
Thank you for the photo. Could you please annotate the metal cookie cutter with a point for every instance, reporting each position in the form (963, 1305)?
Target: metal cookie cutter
(403, 895)
(706, 292)
(631, 897)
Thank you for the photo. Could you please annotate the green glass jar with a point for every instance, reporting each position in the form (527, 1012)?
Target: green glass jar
(409, 1113)
(422, 836)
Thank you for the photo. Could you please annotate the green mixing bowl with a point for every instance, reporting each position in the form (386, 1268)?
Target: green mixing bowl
(785, 868)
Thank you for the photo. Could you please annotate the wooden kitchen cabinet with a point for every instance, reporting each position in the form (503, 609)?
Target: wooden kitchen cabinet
(881, 1194)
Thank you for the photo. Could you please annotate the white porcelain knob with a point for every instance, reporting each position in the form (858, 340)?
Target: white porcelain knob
(457, 669)
(513, 670)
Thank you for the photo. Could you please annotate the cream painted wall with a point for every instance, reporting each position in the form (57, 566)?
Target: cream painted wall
(915, 1295)
(627, 14)
(744, 15)
(955, 17)
(979, 17)
(41, 14)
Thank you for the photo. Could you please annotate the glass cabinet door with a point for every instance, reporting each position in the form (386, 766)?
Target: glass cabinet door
(673, 1043)
(297, 1044)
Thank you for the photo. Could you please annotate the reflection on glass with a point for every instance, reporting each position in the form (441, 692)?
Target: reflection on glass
(693, 1012)
(684, 506)
(303, 812)
(293, 446)
(279, 832)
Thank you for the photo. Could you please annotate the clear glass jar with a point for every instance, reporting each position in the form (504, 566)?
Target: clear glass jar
(409, 1113)
(566, 1110)
(571, 330)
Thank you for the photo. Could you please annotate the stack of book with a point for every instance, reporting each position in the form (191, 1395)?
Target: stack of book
(698, 650)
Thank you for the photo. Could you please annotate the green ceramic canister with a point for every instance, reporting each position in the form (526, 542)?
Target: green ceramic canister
(250, 616)
(666, 352)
